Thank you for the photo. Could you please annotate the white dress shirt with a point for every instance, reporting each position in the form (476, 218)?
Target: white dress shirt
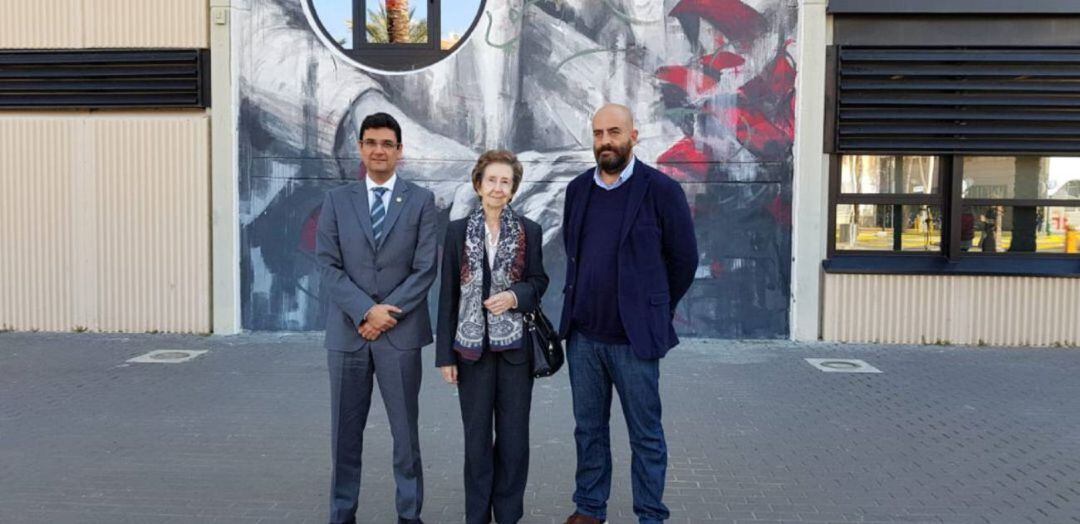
(492, 245)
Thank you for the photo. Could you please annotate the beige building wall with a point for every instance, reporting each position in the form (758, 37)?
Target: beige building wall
(106, 215)
(75, 24)
(810, 195)
(906, 309)
(105, 221)
(36, 217)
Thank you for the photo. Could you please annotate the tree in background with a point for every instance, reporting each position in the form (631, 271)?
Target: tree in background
(397, 20)
(392, 23)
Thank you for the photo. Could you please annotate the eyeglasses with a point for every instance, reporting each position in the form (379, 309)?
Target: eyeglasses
(385, 144)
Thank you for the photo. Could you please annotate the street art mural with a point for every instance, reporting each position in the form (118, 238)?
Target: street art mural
(711, 83)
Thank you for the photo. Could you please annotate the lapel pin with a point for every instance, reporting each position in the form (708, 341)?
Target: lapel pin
(398, 200)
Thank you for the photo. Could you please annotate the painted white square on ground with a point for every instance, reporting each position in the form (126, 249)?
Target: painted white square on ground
(842, 365)
(167, 356)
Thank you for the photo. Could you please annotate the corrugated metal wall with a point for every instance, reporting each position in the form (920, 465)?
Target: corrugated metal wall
(63, 24)
(36, 217)
(959, 310)
(106, 221)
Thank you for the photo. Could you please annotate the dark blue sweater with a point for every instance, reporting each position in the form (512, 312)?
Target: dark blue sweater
(596, 296)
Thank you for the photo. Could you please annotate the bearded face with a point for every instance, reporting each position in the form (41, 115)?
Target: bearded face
(612, 157)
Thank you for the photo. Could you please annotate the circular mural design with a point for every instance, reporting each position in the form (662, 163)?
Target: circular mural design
(394, 36)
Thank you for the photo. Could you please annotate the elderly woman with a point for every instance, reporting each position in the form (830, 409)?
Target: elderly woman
(492, 273)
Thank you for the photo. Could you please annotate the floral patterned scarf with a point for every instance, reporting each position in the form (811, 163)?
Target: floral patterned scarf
(503, 331)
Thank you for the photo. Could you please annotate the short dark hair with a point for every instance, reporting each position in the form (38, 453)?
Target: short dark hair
(379, 121)
(497, 156)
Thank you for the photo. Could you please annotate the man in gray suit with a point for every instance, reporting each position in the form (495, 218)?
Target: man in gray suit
(376, 248)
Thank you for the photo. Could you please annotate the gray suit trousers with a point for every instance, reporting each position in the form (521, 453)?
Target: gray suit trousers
(352, 377)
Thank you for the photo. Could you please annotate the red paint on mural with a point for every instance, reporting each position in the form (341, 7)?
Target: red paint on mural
(715, 269)
(685, 162)
(762, 137)
(780, 211)
(776, 82)
(309, 231)
(691, 81)
(739, 22)
(717, 62)
(765, 118)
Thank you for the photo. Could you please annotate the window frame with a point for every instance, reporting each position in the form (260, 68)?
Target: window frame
(894, 25)
(434, 26)
(394, 58)
(837, 198)
(959, 202)
(950, 259)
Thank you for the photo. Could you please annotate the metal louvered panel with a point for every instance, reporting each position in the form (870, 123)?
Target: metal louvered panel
(952, 7)
(970, 100)
(105, 79)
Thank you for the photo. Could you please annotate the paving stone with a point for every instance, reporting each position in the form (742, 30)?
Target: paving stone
(241, 434)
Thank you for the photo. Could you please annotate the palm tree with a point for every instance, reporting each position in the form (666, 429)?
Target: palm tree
(397, 21)
(418, 31)
(376, 26)
(378, 23)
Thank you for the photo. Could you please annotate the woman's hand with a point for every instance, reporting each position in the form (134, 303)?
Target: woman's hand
(499, 303)
(449, 374)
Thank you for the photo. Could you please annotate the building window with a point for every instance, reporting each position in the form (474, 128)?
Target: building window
(955, 206)
(1021, 204)
(394, 35)
(994, 110)
(399, 23)
(888, 204)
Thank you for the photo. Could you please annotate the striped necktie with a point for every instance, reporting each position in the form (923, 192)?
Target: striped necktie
(378, 213)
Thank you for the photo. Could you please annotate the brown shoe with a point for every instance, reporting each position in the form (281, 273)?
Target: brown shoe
(578, 518)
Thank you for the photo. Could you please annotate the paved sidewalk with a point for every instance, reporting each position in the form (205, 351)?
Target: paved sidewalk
(240, 434)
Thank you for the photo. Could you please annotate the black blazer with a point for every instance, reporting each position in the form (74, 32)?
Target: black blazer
(529, 290)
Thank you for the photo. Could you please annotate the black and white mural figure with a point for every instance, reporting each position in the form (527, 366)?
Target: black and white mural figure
(711, 83)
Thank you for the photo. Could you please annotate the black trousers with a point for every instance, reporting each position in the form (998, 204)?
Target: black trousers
(495, 394)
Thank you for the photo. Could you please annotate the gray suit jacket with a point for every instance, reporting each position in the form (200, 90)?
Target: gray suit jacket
(357, 274)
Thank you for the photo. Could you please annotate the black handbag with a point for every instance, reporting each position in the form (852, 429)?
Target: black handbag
(547, 350)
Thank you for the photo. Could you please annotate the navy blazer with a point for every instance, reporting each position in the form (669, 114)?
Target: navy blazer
(657, 256)
(529, 290)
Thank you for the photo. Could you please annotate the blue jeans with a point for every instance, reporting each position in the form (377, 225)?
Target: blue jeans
(594, 368)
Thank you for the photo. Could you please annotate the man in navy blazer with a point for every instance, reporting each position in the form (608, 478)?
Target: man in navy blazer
(631, 256)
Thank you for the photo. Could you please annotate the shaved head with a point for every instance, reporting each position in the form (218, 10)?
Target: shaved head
(614, 137)
(615, 112)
